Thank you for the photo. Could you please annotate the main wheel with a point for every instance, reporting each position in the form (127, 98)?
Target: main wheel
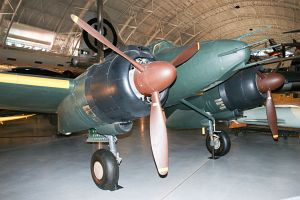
(222, 143)
(105, 170)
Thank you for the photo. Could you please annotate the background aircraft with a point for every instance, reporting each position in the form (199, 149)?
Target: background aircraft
(287, 116)
(38, 52)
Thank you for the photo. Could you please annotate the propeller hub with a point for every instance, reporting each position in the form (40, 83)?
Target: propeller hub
(156, 76)
(270, 81)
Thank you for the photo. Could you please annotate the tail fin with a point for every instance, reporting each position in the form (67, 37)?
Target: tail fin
(254, 32)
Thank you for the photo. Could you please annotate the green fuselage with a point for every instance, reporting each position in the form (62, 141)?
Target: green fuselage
(205, 69)
(80, 105)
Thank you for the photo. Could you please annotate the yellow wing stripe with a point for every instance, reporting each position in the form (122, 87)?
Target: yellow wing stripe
(34, 81)
(11, 118)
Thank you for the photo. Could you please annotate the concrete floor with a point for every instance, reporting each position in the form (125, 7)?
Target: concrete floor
(255, 168)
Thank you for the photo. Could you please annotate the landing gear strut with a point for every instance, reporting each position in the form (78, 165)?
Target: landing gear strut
(105, 163)
(218, 144)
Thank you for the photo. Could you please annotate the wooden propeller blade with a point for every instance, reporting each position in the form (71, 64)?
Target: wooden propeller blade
(271, 115)
(150, 78)
(267, 83)
(186, 54)
(103, 40)
(158, 135)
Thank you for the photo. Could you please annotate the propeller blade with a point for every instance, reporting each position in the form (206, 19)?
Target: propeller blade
(267, 83)
(149, 78)
(292, 31)
(186, 54)
(158, 135)
(103, 40)
(271, 115)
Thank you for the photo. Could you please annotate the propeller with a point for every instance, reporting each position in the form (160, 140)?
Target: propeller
(292, 31)
(149, 79)
(267, 83)
(186, 54)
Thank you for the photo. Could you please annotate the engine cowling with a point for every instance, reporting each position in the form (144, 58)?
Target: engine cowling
(105, 94)
(241, 92)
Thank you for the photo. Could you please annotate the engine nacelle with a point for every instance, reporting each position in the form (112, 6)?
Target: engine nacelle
(105, 94)
(228, 99)
(241, 92)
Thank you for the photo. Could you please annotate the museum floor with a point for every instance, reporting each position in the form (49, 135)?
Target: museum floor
(58, 168)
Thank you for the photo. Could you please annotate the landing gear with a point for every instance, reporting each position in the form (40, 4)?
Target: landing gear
(105, 170)
(105, 163)
(218, 144)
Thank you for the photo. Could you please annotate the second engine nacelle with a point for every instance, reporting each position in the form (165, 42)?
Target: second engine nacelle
(228, 99)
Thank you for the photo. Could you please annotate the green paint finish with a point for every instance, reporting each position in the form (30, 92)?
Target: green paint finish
(31, 98)
(186, 119)
(210, 101)
(226, 115)
(190, 119)
(205, 69)
(181, 116)
(94, 136)
(74, 112)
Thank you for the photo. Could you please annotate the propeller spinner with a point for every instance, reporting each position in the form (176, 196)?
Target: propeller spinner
(150, 79)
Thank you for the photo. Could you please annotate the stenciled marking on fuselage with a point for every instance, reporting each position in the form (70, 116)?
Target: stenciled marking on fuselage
(34, 81)
(219, 102)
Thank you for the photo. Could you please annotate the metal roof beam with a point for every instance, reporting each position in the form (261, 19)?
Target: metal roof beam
(11, 21)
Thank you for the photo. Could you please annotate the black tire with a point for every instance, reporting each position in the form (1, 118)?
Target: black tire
(223, 146)
(108, 179)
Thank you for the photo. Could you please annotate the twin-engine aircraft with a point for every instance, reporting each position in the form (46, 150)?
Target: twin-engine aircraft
(196, 85)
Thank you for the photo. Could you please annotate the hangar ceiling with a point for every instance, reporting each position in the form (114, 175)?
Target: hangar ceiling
(144, 21)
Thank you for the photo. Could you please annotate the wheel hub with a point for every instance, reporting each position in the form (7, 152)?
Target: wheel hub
(216, 142)
(98, 170)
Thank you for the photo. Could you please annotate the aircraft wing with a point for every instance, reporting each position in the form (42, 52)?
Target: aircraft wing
(186, 119)
(287, 116)
(32, 93)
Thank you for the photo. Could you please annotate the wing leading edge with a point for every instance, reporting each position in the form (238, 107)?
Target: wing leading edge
(32, 93)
